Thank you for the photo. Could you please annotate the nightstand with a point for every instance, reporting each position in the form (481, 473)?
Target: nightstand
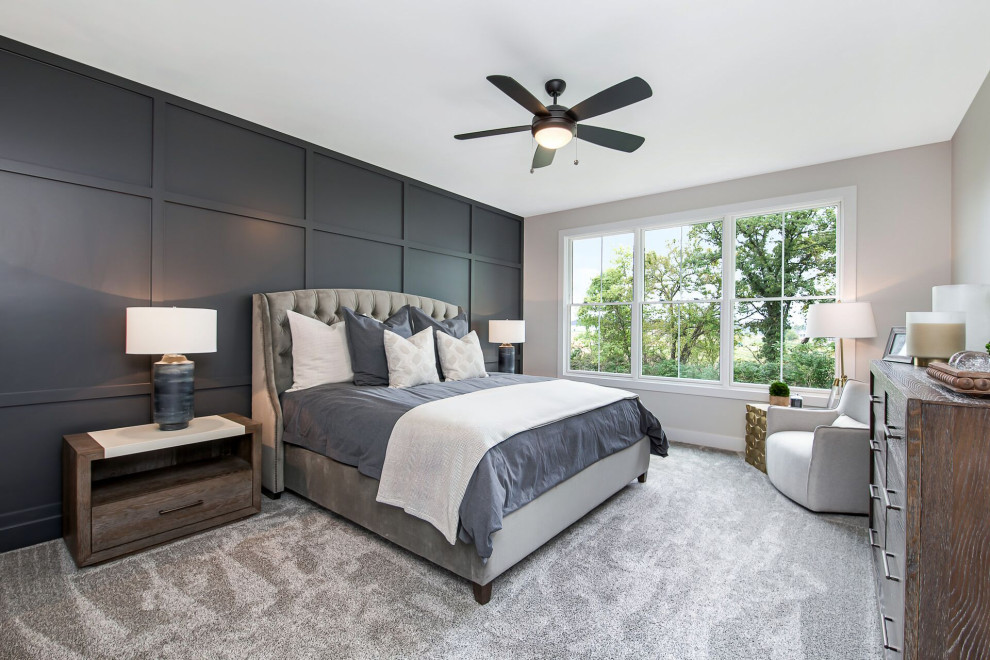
(132, 488)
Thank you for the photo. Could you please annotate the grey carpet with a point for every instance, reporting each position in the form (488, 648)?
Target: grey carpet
(705, 560)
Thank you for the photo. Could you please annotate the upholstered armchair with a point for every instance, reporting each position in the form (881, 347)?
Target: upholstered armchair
(821, 458)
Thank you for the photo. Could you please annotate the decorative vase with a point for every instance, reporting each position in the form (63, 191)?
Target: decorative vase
(780, 401)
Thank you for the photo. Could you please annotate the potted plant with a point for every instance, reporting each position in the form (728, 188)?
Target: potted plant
(780, 394)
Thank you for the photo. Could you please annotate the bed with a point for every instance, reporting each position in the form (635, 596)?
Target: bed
(309, 446)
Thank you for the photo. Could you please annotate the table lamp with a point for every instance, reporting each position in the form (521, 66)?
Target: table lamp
(507, 333)
(170, 332)
(851, 320)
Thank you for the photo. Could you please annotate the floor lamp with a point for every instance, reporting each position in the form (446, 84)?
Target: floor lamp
(852, 320)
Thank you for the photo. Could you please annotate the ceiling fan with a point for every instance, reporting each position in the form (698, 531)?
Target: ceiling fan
(555, 125)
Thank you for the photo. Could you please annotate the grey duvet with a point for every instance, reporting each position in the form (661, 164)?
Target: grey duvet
(352, 424)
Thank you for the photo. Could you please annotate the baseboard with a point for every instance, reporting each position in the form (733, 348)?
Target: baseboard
(703, 439)
(30, 532)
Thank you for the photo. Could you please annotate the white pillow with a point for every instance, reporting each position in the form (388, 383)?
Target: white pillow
(461, 358)
(319, 353)
(847, 422)
(411, 361)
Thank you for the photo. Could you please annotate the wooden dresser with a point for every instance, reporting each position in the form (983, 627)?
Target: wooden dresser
(930, 515)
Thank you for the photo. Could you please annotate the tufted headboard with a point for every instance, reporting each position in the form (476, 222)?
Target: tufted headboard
(271, 370)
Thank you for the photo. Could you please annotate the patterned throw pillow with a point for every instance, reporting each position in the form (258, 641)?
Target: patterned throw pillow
(410, 361)
(461, 358)
(455, 327)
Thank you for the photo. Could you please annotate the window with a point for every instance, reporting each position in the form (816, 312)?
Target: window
(601, 309)
(718, 298)
(784, 263)
(682, 290)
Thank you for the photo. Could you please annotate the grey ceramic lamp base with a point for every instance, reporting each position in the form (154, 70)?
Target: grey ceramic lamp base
(507, 359)
(173, 395)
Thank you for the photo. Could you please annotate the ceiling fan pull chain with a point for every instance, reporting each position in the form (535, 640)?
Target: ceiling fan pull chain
(575, 151)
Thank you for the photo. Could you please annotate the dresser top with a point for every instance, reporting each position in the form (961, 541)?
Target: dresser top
(916, 384)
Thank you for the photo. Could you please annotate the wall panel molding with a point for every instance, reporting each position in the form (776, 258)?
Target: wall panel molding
(249, 209)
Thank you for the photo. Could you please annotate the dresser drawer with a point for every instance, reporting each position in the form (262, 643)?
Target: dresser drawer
(877, 420)
(896, 452)
(892, 577)
(896, 480)
(878, 511)
(878, 447)
(121, 516)
(893, 631)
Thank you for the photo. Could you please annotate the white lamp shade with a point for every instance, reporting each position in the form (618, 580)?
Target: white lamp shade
(506, 332)
(163, 330)
(851, 320)
(974, 300)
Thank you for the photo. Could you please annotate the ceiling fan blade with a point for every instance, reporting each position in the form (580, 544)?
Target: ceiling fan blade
(543, 156)
(606, 137)
(519, 94)
(617, 96)
(494, 131)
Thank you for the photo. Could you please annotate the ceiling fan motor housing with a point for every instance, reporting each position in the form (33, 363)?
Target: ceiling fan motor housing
(558, 119)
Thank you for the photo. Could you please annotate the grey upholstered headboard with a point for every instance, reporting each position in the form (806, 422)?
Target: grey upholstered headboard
(271, 371)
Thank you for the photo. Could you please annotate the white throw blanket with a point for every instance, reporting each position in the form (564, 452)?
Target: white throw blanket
(435, 448)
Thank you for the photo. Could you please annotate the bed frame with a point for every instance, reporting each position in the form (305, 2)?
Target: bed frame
(345, 491)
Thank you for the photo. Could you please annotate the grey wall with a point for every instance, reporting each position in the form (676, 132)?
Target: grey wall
(971, 193)
(113, 194)
(903, 249)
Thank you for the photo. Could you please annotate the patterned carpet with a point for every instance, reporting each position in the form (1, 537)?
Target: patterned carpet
(705, 560)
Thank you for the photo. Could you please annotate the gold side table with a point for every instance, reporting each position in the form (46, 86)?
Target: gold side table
(756, 435)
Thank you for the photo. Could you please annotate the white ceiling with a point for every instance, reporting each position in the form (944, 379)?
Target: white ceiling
(740, 87)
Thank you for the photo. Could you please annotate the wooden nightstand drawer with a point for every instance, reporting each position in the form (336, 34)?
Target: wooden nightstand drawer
(130, 508)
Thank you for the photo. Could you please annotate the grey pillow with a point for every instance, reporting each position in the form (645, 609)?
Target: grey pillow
(456, 327)
(366, 343)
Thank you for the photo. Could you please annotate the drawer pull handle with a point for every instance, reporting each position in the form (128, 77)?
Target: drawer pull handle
(886, 640)
(872, 542)
(875, 399)
(877, 493)
(162, 512)
(886, 567)
(888, 433)
(886, 498)
(875, 446)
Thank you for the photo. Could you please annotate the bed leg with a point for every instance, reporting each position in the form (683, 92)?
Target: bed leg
(482, 593)
(642, 478)
(270, 495)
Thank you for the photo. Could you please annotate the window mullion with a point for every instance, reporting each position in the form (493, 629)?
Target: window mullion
(783, 290)
(727, 339)
(636, 313)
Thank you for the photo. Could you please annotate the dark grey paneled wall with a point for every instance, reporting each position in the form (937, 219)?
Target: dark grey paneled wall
(113, 194)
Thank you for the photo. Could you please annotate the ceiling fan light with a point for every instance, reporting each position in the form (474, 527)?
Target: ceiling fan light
(553, 137)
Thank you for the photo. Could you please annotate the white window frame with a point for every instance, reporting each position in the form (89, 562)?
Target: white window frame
(843, 198)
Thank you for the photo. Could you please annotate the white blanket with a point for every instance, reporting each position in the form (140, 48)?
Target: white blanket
(435, 448)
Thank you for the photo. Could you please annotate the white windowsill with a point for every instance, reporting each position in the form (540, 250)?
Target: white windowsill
(812, 398)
